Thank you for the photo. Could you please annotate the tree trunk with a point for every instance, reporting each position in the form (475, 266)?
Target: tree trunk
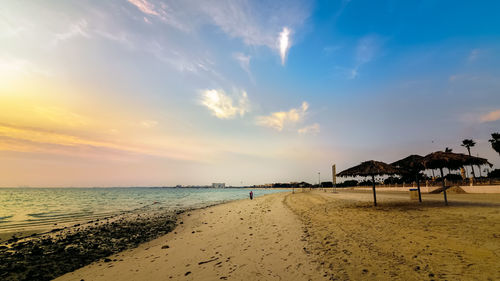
(444, 188)
(472, 166)
(374, 194)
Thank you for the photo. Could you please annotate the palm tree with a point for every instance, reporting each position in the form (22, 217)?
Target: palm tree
(495, 142)
(468, 143)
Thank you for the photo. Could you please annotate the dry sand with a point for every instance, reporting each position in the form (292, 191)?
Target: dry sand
(402, 239)
(332, 236)
(241, 240)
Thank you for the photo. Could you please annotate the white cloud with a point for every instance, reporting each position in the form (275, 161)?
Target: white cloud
(311, 129)
(278, 120)
(284, 44)
(490, 116)
(222, 105)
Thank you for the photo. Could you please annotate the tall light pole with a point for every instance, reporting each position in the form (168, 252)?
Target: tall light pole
(334, 177)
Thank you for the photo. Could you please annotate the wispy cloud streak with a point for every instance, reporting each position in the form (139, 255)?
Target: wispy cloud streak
(145, 7)
(366, 50)
(243, 61)
(161, 11)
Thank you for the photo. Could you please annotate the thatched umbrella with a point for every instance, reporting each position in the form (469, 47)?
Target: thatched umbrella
(370, 168)
(413, 164)
(450, 160)
(477, 161)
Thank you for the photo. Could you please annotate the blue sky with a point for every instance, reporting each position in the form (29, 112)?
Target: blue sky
(145, 92)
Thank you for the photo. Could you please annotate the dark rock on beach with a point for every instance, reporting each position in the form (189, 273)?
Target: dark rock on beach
(47, 256)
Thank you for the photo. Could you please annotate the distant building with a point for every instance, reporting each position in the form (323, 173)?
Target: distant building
(218, 185)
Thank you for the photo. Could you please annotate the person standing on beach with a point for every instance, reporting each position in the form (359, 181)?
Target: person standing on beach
(251, 195)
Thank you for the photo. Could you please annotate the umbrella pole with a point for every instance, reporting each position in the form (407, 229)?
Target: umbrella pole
(374, 194)
(444, 188)
(418, 187)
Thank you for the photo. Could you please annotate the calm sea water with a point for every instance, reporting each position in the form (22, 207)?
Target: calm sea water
(26, 208)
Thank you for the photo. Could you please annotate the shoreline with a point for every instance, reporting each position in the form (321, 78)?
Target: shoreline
(109, 235)
(258, 239)
(32, 226)
(45, 227)
(48, 255)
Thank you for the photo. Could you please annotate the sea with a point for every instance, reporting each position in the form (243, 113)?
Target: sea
(24, 209)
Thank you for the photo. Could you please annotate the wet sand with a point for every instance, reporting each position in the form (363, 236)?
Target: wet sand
(49, 255)
(321, 236)
(258, 239)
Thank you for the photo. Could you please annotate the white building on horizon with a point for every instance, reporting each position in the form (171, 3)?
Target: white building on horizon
(218, 185)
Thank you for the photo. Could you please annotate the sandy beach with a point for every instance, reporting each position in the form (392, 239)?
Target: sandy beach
(321, 236)
(401, 239)
(242, 240)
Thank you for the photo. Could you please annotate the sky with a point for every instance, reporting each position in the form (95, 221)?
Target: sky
(161, 93)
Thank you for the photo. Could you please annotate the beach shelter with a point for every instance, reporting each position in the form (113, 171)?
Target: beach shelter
(413, 165)
(477, 161)
(370, 168)
(450, 160)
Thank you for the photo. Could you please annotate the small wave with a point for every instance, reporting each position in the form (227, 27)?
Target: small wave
(57, 216)
(40, 215)
(48, 215)
(5, 218)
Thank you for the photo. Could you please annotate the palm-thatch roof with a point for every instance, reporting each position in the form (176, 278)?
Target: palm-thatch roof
(369, 168)
(440, 159)
(410, 163)
(450, 160)
(478, 161)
